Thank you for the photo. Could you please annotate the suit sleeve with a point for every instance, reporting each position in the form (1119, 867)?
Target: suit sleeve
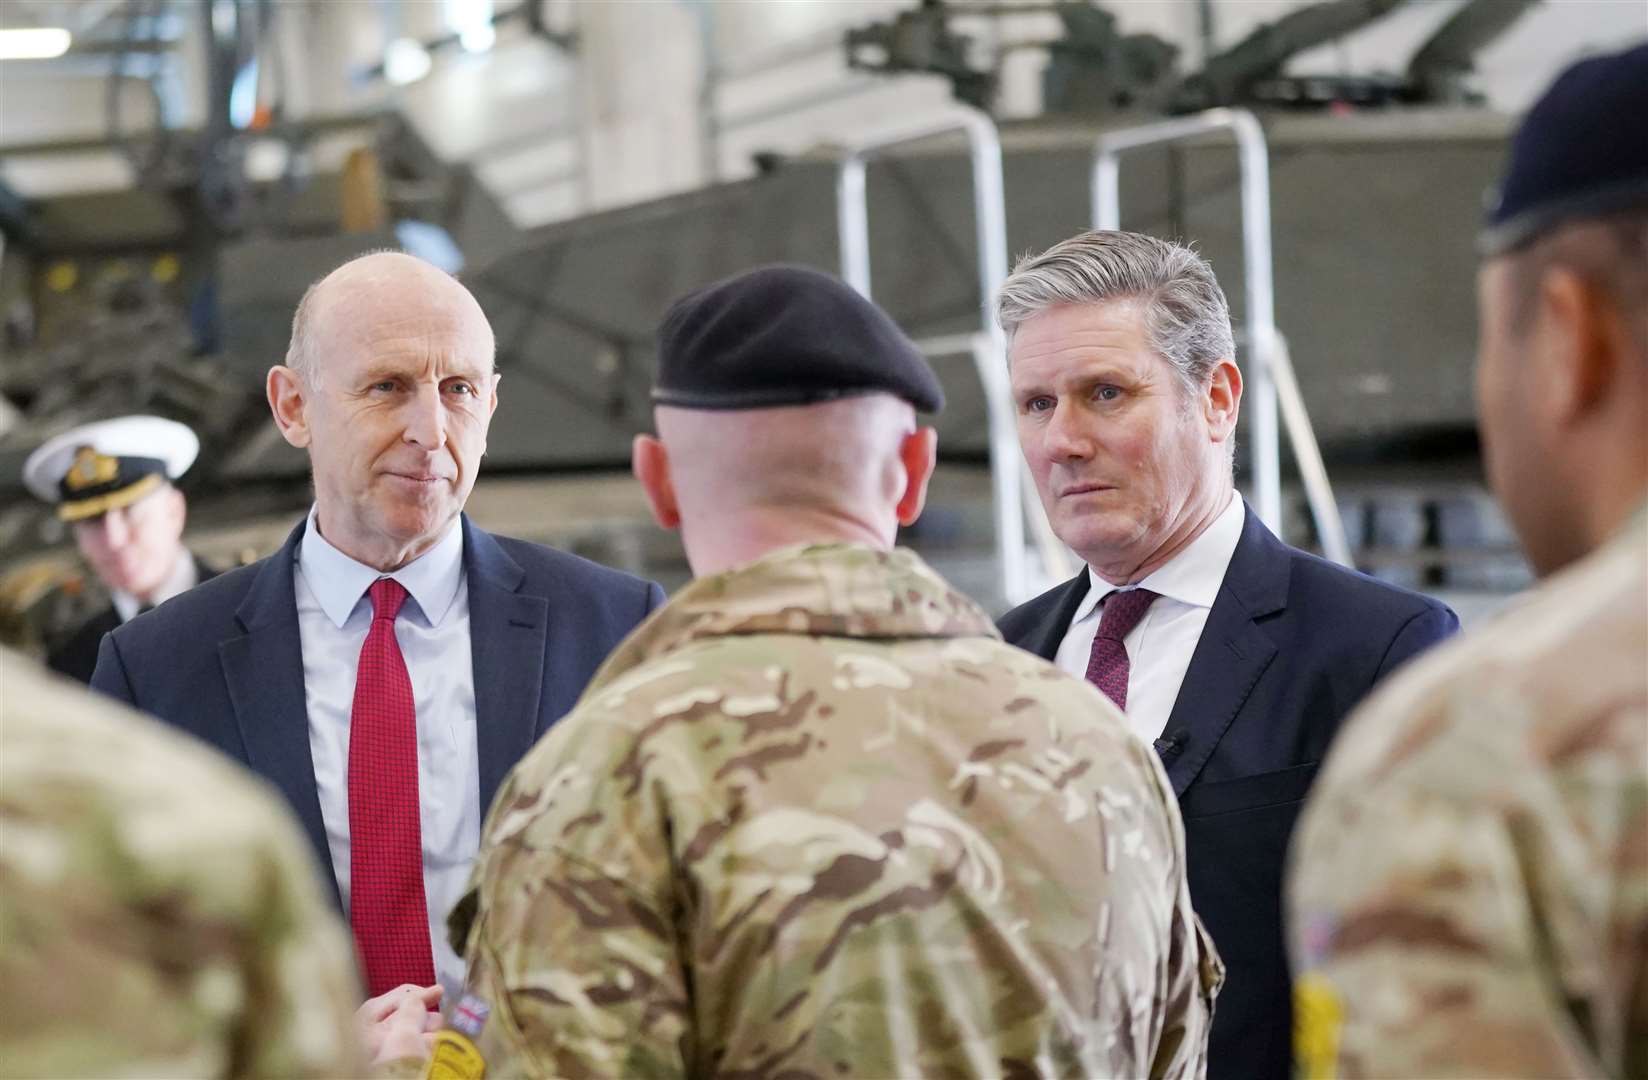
(1435, 624)
(109, 677)
(655, 599)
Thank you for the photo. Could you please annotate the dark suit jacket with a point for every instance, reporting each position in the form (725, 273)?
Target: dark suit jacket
(1291, 644)
(224, 660)
(76, 654)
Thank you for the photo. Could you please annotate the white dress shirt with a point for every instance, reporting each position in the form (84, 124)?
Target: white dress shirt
(334, 614)
(184, 576)
(1160, 646)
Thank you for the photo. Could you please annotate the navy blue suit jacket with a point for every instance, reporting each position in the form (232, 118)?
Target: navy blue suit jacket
(1291, 644)
(223, 661)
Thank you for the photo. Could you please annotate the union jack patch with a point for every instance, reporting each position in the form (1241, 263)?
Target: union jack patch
(470, 1015)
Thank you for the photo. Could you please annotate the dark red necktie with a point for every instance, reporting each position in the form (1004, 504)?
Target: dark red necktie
(386, 901)
(1107, 665)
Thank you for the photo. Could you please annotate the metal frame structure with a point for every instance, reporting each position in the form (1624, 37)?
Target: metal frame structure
(987, 345)
(1269, 368)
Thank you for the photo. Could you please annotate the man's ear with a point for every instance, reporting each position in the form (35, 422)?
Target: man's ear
(289, 400)
(919, 454)
(1222, 399)
(649, 459)
(1576, 358)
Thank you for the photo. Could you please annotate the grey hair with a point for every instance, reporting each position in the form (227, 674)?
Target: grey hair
(1186, 316)
(300, 350)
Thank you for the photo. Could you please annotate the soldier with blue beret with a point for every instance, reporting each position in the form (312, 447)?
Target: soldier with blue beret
(1469, 894)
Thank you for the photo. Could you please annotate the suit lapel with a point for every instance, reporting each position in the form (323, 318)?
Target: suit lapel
(264, 672)
(1045, 639)
(507, 629)
(1231, 655)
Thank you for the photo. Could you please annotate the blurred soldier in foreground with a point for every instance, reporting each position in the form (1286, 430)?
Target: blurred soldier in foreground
(1470, 883)
(813, 817)
(162, 916)
(112, 481)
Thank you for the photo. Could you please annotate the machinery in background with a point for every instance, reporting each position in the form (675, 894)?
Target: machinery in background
(1094, 68)
(574, 304)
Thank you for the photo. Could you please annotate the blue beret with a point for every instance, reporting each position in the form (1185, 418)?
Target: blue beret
(1582, 151)
(785, 335)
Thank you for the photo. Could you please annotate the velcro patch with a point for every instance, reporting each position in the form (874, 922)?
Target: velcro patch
(470, 1015)
(1318, 1019)
(454, 1058)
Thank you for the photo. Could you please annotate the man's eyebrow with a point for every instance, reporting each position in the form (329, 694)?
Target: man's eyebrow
(379, 372)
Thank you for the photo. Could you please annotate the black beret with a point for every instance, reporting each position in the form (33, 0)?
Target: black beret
(1582, 151)
(785, 335)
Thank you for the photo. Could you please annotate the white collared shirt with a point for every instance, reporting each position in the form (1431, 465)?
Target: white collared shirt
(1160, 646)
(184, 576)
(432, 629)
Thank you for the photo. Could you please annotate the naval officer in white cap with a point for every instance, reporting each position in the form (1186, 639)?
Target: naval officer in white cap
(112, 480)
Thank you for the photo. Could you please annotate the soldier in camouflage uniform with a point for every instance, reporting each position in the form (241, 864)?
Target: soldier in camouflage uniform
(160, 917)
(1470, 887)
(814, 818)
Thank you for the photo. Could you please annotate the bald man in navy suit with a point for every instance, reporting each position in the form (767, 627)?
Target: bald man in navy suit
(387, 666)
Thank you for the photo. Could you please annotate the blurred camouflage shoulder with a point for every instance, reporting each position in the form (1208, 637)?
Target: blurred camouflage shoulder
(162, 914)
(1470, 878)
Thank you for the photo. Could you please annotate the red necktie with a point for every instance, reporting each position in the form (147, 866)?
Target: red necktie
(386, 901)
(1107, 665)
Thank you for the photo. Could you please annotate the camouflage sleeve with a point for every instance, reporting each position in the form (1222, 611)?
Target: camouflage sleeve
(1195, 973)
(142, 942)
(573, 967)
(1424, 934)
(302, 988)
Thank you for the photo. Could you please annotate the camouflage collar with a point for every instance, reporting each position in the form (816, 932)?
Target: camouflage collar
(822, 590)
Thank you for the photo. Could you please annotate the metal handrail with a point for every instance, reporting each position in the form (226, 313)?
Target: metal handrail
(1313, 472)
(1259, 282)
(1256, 259)
(990, 351)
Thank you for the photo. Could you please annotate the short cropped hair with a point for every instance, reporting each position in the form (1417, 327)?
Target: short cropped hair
(300, 350)
(1186, 316)
(1610, 251)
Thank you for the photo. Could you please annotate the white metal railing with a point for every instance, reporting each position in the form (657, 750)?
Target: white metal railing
(987, 345)
(1270, 363)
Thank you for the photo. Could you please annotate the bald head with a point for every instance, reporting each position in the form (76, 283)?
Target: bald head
(389, 386)
(347, 307)
(741, 482)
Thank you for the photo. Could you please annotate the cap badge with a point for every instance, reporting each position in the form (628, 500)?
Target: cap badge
(90, 469)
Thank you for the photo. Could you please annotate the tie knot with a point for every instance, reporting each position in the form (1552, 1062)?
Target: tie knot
(1122, 612)
(387, 597)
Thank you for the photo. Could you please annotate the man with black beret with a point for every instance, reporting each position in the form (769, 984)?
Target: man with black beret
(814, 818)
(111, 480)
(1470, 880)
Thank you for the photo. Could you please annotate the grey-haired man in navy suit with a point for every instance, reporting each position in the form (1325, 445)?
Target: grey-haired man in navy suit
(389, 664)
(1235, 653)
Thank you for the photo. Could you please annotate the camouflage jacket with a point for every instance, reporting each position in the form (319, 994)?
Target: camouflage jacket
(159, 913)
(1470, 879)
(814, 819)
